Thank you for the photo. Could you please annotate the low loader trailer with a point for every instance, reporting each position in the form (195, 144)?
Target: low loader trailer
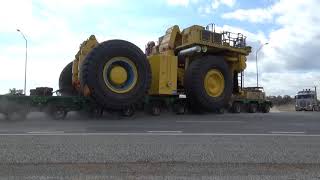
(55, 106)
(58, 106)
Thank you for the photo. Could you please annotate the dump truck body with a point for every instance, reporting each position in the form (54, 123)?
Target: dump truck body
(221, 56)
(198, 62)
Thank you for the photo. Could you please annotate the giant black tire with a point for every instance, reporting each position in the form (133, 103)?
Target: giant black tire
(65, 81)
(93, 68)
(195, 88)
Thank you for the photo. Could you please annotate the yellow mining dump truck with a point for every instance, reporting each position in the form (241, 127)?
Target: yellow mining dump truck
(197, 63)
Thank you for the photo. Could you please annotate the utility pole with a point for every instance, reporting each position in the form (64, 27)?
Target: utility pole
(25, 63)
(257, 61)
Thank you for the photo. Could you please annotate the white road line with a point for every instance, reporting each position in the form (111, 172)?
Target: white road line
(46, 132)
(208, 121)
(156, 134)
(284, 132)
(164, 131)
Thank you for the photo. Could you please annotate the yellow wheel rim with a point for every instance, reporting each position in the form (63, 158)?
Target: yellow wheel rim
(120, 75)
(214, 83)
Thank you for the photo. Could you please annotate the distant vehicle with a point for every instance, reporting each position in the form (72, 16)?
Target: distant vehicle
(306, 100)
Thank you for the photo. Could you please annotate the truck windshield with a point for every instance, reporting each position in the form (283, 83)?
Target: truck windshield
(307, 96)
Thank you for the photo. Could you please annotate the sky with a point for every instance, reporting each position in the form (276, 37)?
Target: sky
(55, 28)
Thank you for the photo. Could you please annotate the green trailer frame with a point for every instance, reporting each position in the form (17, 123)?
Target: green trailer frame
(55, 106)
(58, 106)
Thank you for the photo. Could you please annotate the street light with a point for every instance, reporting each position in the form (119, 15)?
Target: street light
(25, 63)
(257, 61)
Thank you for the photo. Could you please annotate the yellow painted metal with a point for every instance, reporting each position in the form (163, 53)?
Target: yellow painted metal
(170, 40)
(214, 83)
(232, 59)
(192, 36)
(238, 65)
(86, 91)
(252, 93)
(84, 49)
(242, 63)
(164, 62)
(212, 43)
(164, 74)
(118, 75)
(133, 75)
(75, 74)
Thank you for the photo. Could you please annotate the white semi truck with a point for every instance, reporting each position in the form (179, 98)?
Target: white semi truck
(306, 100)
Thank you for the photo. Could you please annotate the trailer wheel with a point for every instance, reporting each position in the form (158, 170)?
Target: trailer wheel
(236, 107)
(266, 108)
(56, 112)
(156, 111)
(59, 114)
(208, 83)
(155, 108)
(16, 111)
(193, 108)
(96, 113)
(253, 108)
(179, 107)
(128, 112)
(116, 74)
(220, 111)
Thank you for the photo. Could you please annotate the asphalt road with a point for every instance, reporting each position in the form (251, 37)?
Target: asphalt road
(230, 146)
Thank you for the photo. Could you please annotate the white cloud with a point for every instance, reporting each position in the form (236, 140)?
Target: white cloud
(288, 83)
(178, 2)
(208, 7)
(52, 42)
(251, 15)
(290, 61)
(217, 3)
(13, 15)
